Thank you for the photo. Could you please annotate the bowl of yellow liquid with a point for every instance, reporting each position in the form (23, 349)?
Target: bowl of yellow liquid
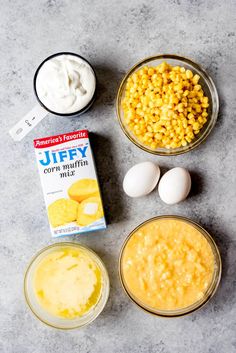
(169, 266)
(66, 285)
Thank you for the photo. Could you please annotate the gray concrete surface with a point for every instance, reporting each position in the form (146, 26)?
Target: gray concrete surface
(114, 35)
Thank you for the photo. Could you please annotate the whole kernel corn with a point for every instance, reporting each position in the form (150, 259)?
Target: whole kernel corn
(164, 106)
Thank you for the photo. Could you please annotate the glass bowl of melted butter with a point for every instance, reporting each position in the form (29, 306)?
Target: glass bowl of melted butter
(169, 266)
(66, 285)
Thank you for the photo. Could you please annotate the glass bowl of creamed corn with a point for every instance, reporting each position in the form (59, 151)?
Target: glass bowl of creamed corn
(170, 266)
(167, 104)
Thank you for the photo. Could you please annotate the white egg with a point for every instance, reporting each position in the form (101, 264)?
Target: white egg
(174, 186)
(141, 179)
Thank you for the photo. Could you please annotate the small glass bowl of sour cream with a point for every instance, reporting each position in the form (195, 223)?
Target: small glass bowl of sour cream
(65, 84)
(66, 285)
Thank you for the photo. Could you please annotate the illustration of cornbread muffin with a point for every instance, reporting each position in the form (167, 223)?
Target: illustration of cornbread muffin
(89, 211)
(82, 189)
(62, 211)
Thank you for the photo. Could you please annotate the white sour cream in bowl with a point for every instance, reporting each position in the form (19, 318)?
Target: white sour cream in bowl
(65, 84)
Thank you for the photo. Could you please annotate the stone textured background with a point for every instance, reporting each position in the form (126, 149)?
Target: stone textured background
(114, 35)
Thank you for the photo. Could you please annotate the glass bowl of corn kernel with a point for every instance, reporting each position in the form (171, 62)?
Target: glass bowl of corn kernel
(167, 104)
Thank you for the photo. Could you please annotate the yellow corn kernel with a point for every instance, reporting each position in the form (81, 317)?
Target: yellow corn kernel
(196, 126)
(197, 87)
(166, 140)
(192, 121)
(178, 130)
(150, 134)
(189, 74)
(158, 136)
(190, 116)
(151, 71)
(153, 145)
(149, 129)
(189, 129)
(188, 138)
(191, 135)
(159, 102)
(204, 114)
(174, 122)
(134, 77)
(180, 107)
(185, 123)
(198, 108)
(195, 79)
(143, 71)
(200, 119)
(176, 68)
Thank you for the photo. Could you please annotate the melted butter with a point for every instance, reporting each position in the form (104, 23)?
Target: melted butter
(67, 283)
(167, 264)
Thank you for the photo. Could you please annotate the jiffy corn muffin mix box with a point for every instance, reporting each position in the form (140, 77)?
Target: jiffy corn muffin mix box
(70, 184)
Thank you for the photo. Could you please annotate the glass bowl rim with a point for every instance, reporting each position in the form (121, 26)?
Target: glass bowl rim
(205, 76)
(61, 244)
(190, 309)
